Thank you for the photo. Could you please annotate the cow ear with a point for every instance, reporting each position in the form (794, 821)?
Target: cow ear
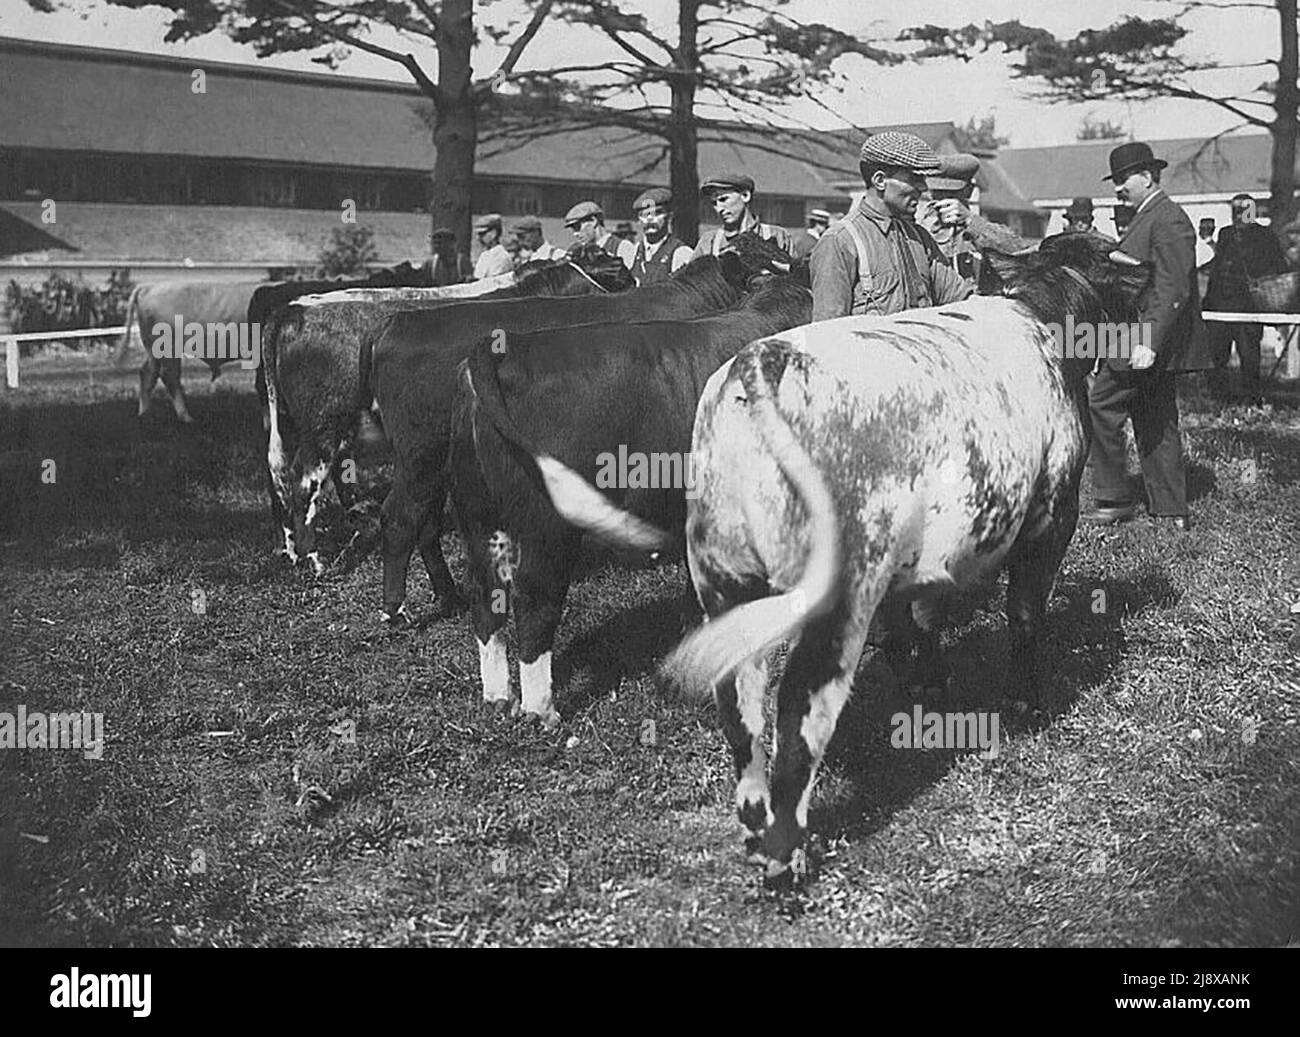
(1008, 265)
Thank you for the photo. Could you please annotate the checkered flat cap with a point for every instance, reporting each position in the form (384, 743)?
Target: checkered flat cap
(906, 150)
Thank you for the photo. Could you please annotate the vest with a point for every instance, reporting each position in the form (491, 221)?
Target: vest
(660, 268)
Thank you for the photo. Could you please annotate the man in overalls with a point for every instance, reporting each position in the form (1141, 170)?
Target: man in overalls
(660, 253)
(877, 259)
(732, 194)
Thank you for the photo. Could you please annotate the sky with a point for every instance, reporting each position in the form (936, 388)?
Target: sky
(918, 92)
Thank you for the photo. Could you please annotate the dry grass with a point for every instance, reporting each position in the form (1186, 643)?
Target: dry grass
(1156, 800)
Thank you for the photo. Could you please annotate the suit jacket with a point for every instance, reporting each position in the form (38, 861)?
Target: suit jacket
(1243, 253)
(1162, 234)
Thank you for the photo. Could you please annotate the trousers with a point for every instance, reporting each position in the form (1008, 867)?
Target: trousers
(1247, 338)
(1150, 400)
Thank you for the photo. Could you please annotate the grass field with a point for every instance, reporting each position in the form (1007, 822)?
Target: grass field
(279, 769)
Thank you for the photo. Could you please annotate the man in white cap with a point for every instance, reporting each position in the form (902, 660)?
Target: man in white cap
(877, 259)
(494, 259)
(533, 245)
(732, 195)
(660, 253)
(587, 221)
(801, 245)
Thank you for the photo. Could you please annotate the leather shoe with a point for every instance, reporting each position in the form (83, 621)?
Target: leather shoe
(1107, 513)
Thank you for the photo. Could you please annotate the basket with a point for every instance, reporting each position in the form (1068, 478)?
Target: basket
(1278, 293)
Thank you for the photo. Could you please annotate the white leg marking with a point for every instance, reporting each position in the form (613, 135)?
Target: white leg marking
(291, 552)
(535, 680)
(313, 483)
(751, 687)
(504, 554)
(823, 711)
(494, 669)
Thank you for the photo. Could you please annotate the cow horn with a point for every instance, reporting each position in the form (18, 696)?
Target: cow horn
(1123, 258)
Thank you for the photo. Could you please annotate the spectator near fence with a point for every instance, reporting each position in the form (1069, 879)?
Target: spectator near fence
(1245, 250)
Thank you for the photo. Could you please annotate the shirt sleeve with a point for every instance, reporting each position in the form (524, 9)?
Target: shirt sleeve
(681, 257)
(834, 271)
(627, 253)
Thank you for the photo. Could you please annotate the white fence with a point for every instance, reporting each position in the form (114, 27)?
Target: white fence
(11, 345)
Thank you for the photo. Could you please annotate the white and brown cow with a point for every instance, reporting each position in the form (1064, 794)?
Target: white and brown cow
(870, 461)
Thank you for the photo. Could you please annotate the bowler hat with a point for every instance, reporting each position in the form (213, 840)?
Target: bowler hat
(1081, 206)
(1134, 154)
(728, 182)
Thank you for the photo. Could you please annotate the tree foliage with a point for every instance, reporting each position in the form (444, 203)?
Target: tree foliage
(979, 135)
(1141, 59)
(350, 251)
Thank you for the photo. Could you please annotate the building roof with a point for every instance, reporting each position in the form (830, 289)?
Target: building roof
(57, 96)
(122, 234)
(1196, 166)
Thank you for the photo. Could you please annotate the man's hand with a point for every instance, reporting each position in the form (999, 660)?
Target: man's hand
(952, 212)
(1143, 357)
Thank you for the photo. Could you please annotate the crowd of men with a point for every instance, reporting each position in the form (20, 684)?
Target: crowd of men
(911, 240)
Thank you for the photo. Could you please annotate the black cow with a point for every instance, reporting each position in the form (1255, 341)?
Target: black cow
(316, 351)
(414, 378)
(269, 299)
(609, 404)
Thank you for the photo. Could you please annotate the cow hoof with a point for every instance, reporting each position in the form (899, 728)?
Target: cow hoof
(501, 709)
(785, 877)
(549, 721)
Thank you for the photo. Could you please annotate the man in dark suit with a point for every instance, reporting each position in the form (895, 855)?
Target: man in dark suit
(1141, 386)
(1245, 251)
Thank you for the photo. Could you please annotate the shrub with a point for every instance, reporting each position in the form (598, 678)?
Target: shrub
(351, 248)
(63, 303)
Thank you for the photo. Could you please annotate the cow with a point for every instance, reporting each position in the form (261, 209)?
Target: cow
(558, 411)
(224, 304)
(316, 355)
(867, 463)
(413, 375)
(229, 305)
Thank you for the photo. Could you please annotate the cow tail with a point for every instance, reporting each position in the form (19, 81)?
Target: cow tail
(132, 308)
(722, 644)
(575, 499)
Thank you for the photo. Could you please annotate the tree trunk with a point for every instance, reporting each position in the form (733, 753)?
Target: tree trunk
(1286, 104)
(455, 134)
(683, 161)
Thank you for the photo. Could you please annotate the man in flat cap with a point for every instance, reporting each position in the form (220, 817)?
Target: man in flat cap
(533, 245)
(1245, 250)
(877, 259)
(801, 245)
(962, 236)
(587, 221)
(448, 265)
(660, 253)
(1140, 387)
(494, 259)
(732, 194)
(1078, 216)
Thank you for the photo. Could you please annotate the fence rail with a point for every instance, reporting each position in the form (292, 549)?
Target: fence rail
(11, 345)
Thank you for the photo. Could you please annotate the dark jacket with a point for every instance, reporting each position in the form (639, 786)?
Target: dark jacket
(1242, 252)
(1162, 234)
